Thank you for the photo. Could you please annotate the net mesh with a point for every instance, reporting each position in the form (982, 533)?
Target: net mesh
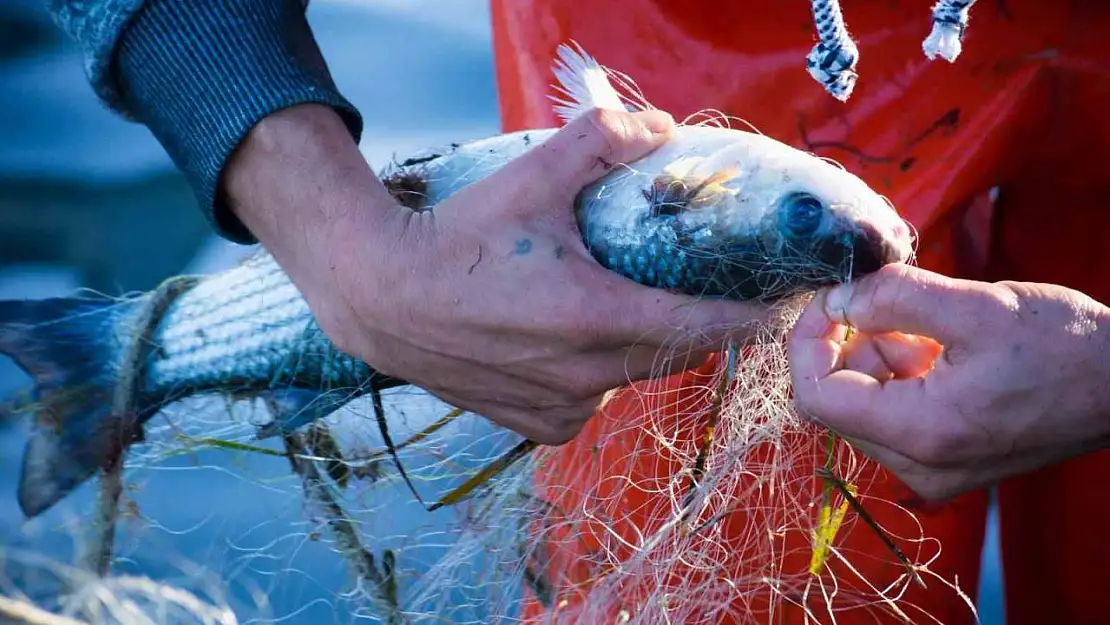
(688, 501)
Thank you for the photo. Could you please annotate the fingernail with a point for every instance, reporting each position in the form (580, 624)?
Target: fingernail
(836, 302)
(658, 122)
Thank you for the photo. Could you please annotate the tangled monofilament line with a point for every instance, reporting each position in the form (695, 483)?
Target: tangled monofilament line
(91, 598)
(669, 513)
(833, 60)
(657, 548)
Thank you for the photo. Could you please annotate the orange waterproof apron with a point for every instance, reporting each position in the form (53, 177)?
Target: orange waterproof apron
(1025, 109)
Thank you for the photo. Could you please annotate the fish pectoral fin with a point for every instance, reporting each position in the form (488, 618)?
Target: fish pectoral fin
(584, 84)
(294, 407)
(674, 194)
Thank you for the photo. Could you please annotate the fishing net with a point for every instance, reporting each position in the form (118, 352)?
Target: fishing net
(38, 590)
(707, 501)
(702, 498)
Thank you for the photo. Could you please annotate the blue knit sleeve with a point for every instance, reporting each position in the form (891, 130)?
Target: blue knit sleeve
(96, 26)
(200, 74)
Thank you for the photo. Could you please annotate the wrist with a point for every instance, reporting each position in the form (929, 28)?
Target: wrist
(298, 175)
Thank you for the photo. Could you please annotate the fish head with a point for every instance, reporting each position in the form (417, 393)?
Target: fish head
(827, 216)
(728, 212)
(777, 220)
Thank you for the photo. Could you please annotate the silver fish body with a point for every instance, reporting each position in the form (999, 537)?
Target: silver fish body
(715, 212)
(244, 329)
(242, 333)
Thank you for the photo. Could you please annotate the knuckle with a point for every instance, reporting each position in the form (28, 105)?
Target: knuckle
(813, 407)
(579, 384)
(995, 307)
(806, 401)
(609, 123)
(614, 129)
(886, 292)
(584, 377)
(1007, 301)
(340, 335)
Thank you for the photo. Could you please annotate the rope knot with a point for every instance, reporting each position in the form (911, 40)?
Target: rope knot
(834, 66)
(832, 62)
(950, 18)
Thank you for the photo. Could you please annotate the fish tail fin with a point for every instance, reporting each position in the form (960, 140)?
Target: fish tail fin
(67, 346)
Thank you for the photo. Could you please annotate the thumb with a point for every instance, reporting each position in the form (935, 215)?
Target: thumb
(586, 149)
(910, 300)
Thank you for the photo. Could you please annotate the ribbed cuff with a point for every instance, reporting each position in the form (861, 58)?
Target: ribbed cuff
(201, 73)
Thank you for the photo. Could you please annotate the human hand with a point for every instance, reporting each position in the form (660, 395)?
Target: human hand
(953, 385)
(491, 301)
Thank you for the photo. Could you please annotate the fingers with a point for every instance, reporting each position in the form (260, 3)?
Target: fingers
(930, 484)
(907, 355)
(890, 355)
(581, 391)
(636, 314)
(814, 347)
(596, 373)
(849, 402)
(586, 149)
(648, 362)
(547, 425)
(901, 298)
(861, 354)
(553, 407)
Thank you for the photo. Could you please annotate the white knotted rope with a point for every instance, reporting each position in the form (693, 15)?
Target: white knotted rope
(949, 23)
(832, 62)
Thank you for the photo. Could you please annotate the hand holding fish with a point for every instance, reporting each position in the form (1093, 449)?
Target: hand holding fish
(520, 276)
(492, 302)
(1016, 378)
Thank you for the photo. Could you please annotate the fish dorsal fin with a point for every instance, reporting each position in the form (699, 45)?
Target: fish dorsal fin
(583, 84)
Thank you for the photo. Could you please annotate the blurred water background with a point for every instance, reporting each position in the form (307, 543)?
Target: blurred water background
(87, 199)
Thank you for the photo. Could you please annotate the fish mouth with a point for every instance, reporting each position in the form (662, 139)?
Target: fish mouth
(864, 249)
(750, 271)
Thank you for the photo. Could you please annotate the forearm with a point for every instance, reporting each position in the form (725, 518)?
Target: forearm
(304, 189)
(200, 74)
(298, 180)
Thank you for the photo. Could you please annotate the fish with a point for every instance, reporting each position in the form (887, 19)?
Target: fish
(714, 212)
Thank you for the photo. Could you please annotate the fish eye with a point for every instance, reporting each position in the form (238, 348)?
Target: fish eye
(801, 214)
